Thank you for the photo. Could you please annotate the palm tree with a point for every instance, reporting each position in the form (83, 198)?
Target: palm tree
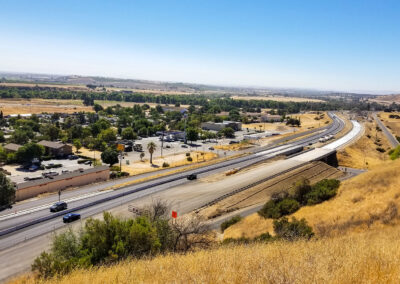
(152, 148)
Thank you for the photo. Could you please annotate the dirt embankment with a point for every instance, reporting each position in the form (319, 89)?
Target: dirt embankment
(368, 201)
(261, 193)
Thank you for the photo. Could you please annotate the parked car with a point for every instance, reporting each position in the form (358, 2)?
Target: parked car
(70, 217)
(88, 163)
(73, 157)
(33, 168)
(233, 142)
(211, 148)
(50, 174)
(184, 146)
(192, 177)
(168, 146)
(59, 206)
(65, 171)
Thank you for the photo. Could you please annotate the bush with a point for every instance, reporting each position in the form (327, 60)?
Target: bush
(114, 175)
(187, 154)
(380, 149)
(165, 165)
(115, 168)
(278, 208)
(321, 191)
(226, 224)
(189, 159)
(394, 153)
(296, 229)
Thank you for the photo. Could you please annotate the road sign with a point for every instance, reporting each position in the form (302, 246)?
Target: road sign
(120, 147)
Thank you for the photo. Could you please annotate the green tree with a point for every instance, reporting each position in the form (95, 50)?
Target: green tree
(107, 135)
(7, 190)
(141, 156)
(77, 144)
(192, 134)
(228, 132)
(97, 107)
(20, 137)
(28, 152)
(151, 147)
(110, 156)
(127, 133)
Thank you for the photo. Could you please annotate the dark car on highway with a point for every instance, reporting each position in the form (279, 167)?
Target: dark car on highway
(70, 217)
(59, 206)
(192, 177)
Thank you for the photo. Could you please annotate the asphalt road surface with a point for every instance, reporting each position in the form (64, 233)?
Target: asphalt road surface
(392, 140)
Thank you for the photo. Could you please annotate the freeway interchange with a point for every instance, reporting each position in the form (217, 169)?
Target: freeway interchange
(28, 228)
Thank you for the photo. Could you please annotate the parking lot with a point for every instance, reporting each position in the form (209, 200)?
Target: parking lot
(18, 174)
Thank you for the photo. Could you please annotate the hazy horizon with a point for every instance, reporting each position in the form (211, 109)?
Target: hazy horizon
(328, 46)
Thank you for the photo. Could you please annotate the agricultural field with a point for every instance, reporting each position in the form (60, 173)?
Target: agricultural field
(36, 106)
(277, 98)
(308, 121)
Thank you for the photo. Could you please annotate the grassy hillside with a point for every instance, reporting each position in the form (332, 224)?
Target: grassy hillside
(369, 257)
(370, 200)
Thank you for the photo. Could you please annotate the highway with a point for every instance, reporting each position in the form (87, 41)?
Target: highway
(187, 196)
(392, 140)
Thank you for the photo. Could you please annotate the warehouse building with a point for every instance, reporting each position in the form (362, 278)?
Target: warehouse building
(217, 126)
(76, 178)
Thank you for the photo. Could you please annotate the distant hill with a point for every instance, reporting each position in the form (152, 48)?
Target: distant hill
(168, 87)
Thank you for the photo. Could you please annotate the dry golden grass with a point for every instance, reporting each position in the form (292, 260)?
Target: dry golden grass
(21, 106)
(392, 123)
(275, 98)
(363, 154)
(370, 200)
(235, 147)
(370, 257)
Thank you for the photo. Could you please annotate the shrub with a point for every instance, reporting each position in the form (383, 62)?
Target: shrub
(296, 229)
(115, 168)
(395, 153)
(189, 159)
(226, 224)
(165, 165)
(278, 208)
(187, 154)
(380, 149)
(321, 191)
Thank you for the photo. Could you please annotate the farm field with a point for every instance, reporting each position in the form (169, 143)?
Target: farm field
(308, 121)
(276, 98)
(35, 106)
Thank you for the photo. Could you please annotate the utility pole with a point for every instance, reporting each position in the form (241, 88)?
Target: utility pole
(59, 195)
(185, 116)
(162, 142)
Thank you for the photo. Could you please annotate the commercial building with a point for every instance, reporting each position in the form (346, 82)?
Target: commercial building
(217, 126)
(82, 177)
(56, 149)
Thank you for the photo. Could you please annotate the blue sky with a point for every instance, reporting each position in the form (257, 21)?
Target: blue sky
(325, 44)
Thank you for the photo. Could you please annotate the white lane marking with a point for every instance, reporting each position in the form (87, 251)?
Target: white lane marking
(47, 206)
(345, 139)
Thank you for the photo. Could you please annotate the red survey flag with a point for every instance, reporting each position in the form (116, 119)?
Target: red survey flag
(174, 214)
